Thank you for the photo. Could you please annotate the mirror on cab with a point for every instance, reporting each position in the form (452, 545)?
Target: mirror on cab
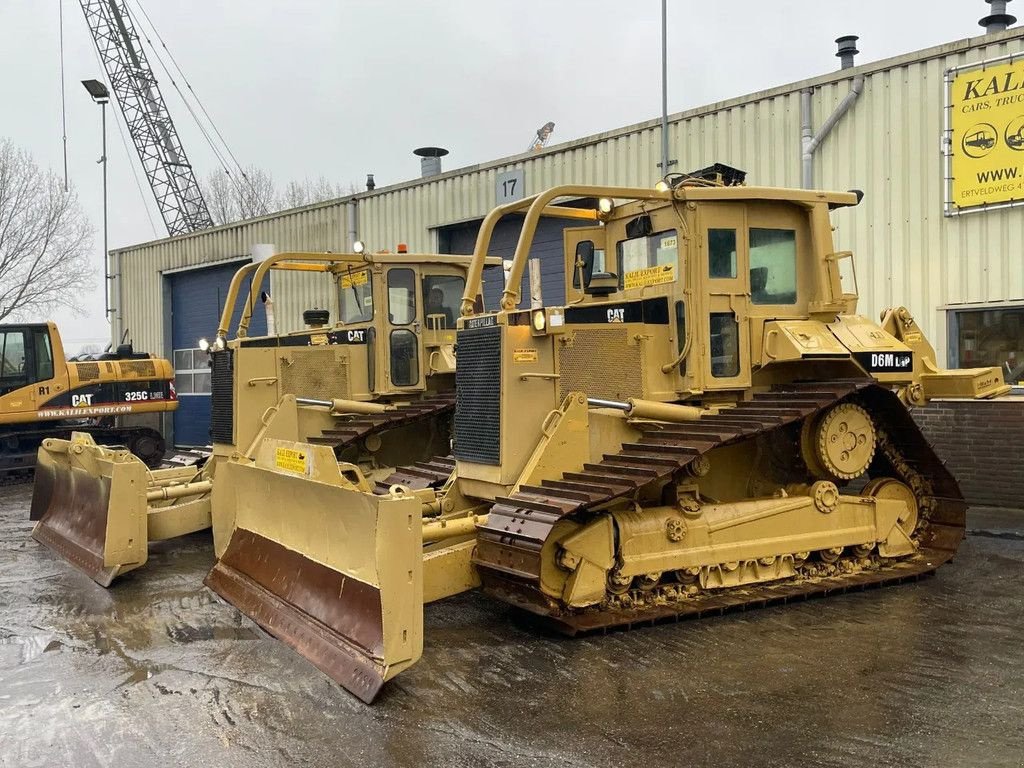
(590, 265)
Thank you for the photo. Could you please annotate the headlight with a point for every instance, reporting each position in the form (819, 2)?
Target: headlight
(218, 344)
(605, 205)
(204, 345)
(358, 246)
(662, 186)
(539, 321)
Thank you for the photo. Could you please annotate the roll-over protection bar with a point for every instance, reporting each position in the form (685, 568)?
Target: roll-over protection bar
(317, 262)
(541, 205)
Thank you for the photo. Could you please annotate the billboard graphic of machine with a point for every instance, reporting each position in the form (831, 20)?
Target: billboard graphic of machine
(985, 135)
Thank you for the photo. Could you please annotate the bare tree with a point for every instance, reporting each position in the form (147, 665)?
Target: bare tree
(233, 198)
(44, 239)
(308, 191)
(239, 196)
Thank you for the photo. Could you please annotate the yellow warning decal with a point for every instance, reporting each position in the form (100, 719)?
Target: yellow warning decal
(664, 273)
(912, 337)
(318, 339)
(524, 355)
(292, 460)
(355, 279)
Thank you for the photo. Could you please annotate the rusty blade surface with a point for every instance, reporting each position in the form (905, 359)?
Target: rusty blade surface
(71, 510)
(331, 619)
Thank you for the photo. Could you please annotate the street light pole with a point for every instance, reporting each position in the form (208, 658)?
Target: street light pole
(100, 95)
(664, 87)
(114, 330)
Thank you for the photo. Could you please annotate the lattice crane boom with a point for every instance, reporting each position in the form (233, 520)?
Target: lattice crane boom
(152, 130)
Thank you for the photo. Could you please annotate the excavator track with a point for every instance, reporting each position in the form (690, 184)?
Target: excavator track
(509, 549)
(19, 465)
(355, 428)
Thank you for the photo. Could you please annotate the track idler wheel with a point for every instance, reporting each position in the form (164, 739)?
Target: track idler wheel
(148, 445)
(890, 488)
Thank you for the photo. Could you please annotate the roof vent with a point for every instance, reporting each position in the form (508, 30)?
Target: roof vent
(430, 160)
(998, 19)
(847, 50)
(370, 183)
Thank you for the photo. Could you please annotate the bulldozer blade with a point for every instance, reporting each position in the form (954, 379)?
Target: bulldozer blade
(92, 505)
(322, 564)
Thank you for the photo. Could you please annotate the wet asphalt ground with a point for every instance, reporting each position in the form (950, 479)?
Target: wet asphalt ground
(158, 672)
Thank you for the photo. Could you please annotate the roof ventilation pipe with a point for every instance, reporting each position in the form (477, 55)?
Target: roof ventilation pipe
(430, 160)
(998, 20)
(810, 141)
(847, 50)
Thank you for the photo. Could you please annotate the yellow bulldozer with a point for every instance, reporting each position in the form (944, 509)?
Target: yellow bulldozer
(705, 423)
(375, 388)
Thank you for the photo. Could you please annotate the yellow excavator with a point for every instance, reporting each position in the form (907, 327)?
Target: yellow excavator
(43, 395)
(706, 423)
(374, 388)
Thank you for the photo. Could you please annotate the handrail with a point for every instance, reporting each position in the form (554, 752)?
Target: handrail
(277, 261)
(536, 206)
(299, 261)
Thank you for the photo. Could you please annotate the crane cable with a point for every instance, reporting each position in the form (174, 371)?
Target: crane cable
(142, 14)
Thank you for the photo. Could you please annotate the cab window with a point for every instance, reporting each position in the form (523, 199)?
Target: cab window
(722, 253)
(44, 355)
(772, 266)
(356, 293)
(442, 295)
(401, 296)
(649, 260)
(13, 373)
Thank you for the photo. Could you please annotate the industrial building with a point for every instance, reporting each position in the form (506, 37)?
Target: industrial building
(888, 128)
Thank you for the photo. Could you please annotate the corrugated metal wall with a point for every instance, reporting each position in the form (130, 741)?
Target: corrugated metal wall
(888, 145)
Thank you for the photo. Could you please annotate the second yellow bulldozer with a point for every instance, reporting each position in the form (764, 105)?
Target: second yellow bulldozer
(705, 423)
(375, 387)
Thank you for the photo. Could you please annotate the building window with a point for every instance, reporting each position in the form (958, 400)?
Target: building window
(984, 337)
(192, 372)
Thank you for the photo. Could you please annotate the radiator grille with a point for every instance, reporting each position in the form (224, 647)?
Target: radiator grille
(143, 369)
(600, 362)
(478, 396)
(88, 371)
(320, 373)
(222, 396)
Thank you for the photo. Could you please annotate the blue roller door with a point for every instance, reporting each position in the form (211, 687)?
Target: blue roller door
(197, 300)
(547, 246)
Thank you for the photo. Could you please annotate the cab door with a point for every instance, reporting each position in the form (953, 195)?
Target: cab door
(27, 375)
(724, 264)
(404, 343)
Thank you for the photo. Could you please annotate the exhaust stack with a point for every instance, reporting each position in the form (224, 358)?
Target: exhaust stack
(430, 160)
(847, 50)
(998, 19)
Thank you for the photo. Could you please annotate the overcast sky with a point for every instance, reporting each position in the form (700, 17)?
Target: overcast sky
(349, 87)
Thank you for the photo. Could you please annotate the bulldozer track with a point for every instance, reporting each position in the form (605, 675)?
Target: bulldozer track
(432, 473)
(356, 427)
(509, 544)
